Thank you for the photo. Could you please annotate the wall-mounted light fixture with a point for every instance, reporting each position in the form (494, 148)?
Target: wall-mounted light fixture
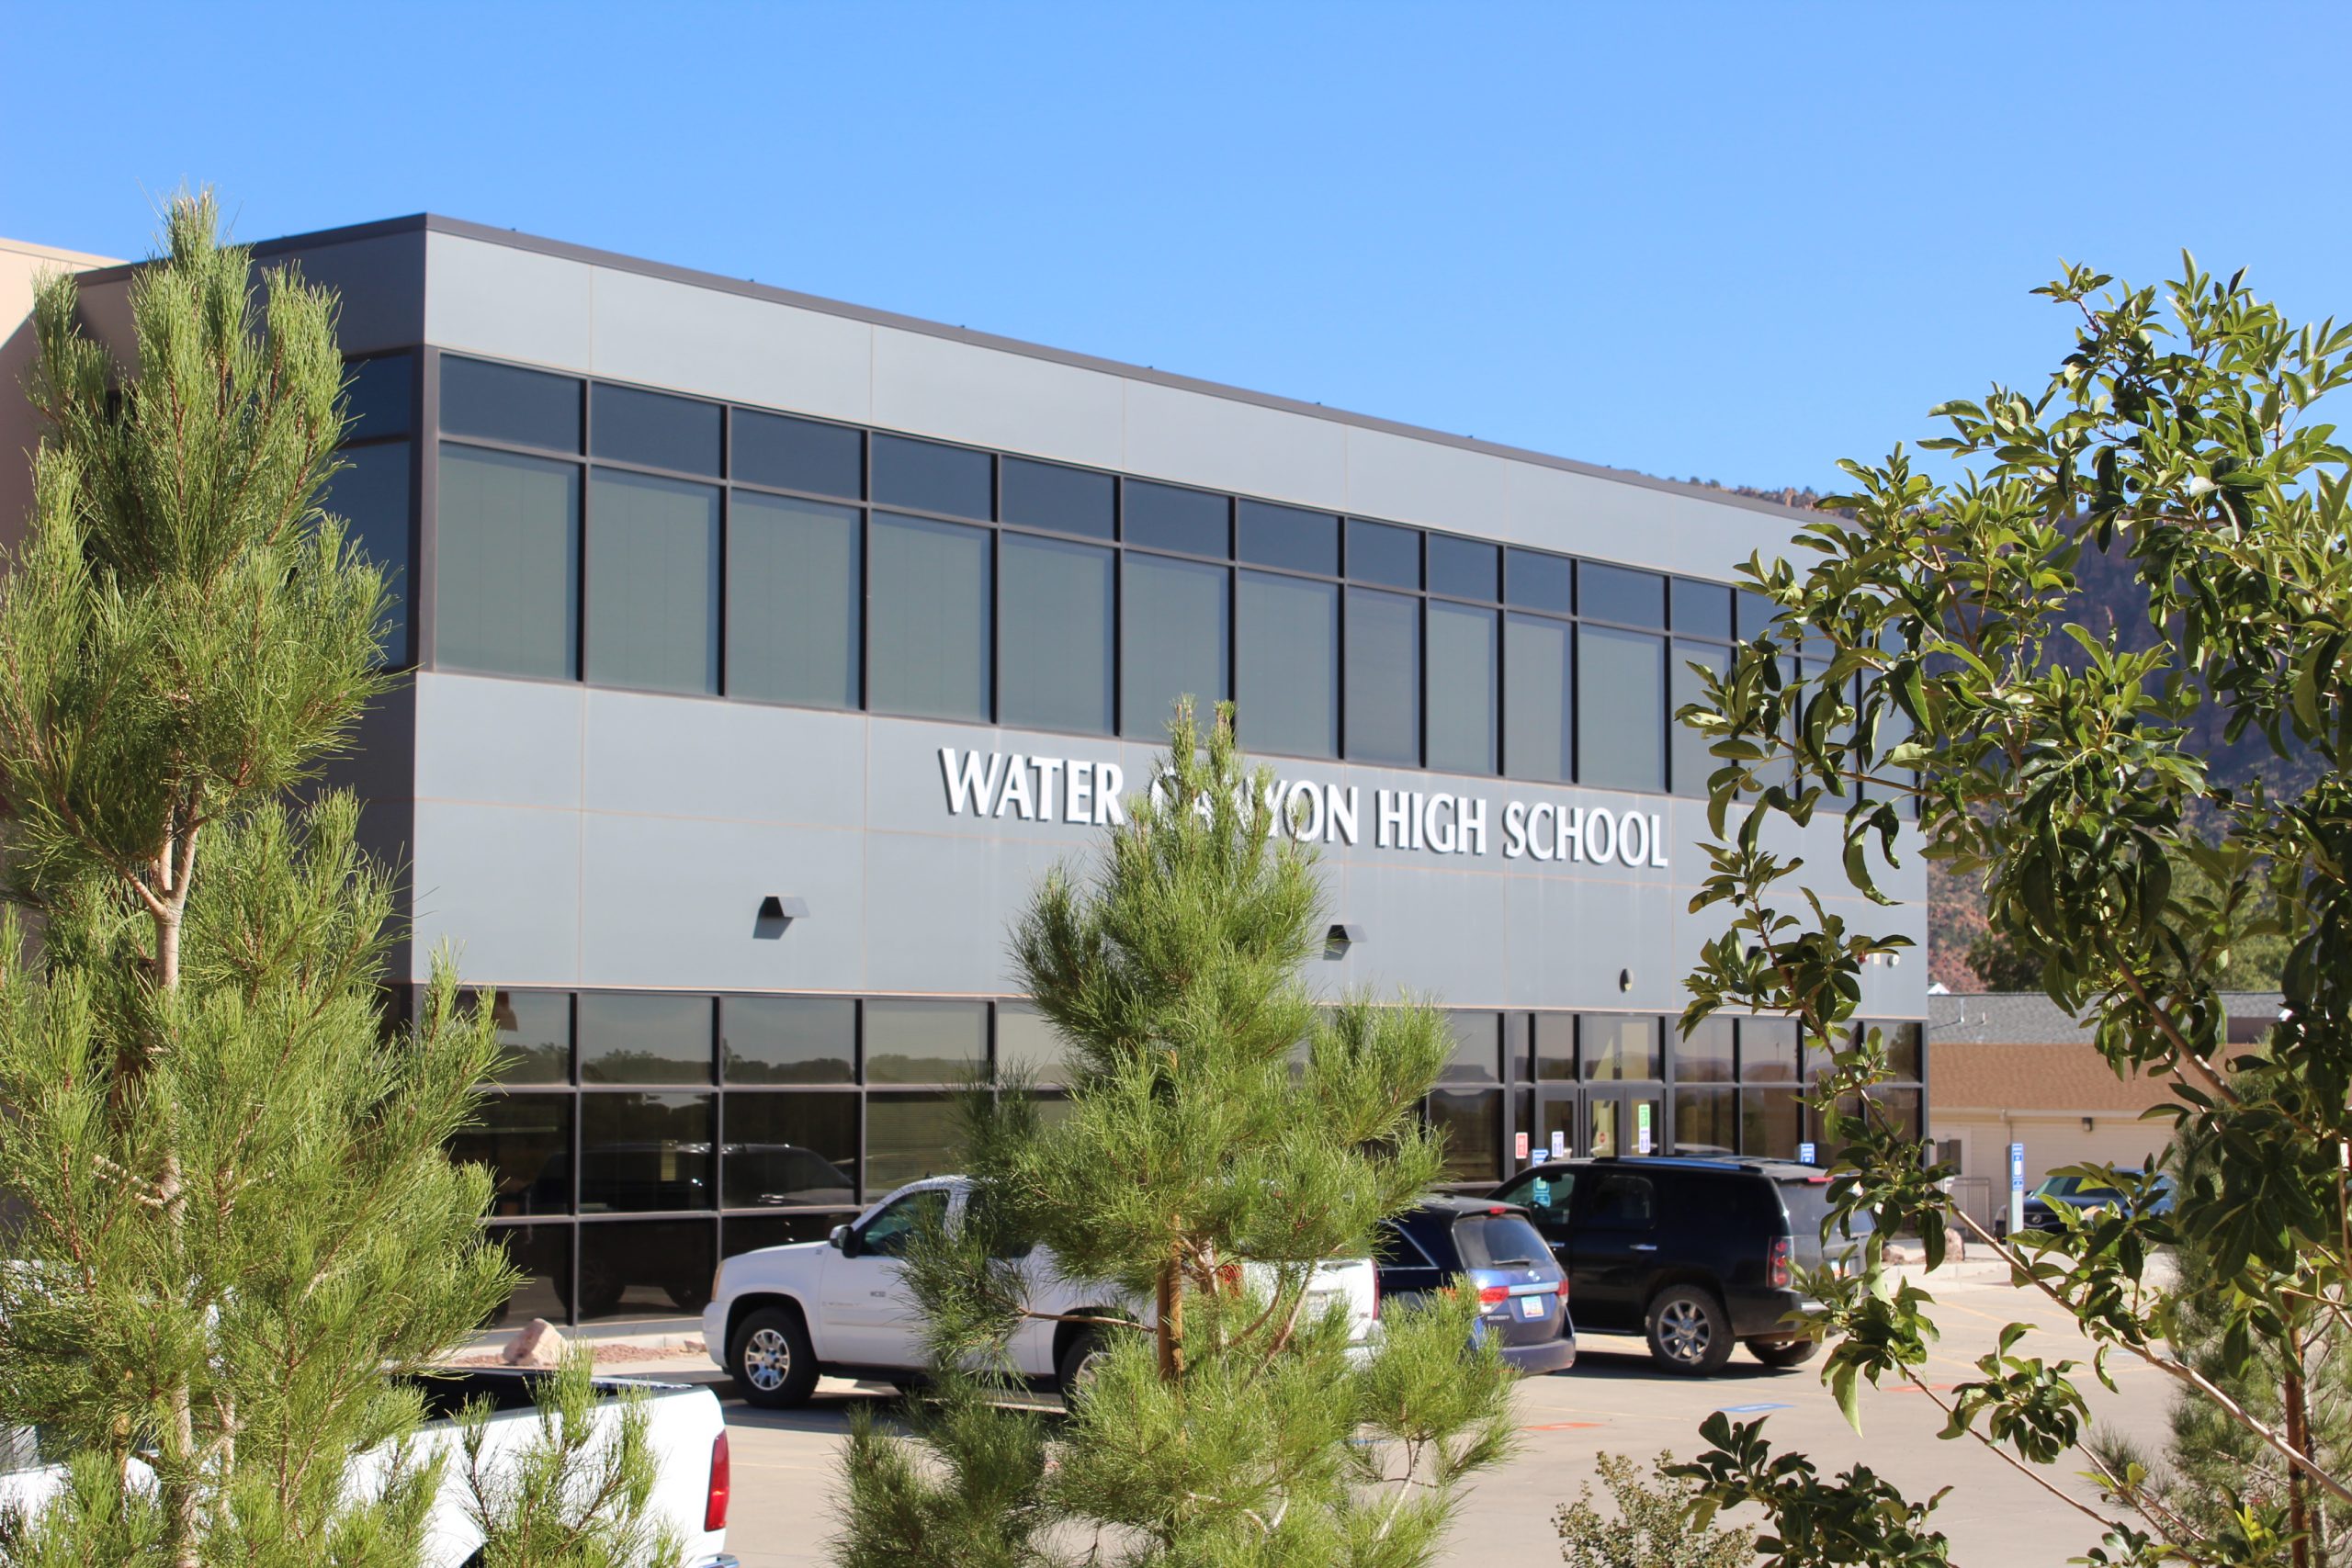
(776, 912)
(1343, 936)
(1624, 979)
(2087, 1123)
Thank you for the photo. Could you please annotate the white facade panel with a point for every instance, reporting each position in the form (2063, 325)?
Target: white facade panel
(986, 397)
(1406, 481)
(499, 886)
(508, 303)
(763, 352)
(1192, 439)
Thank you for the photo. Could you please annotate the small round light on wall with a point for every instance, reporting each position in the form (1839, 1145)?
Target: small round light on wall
(1624, 979)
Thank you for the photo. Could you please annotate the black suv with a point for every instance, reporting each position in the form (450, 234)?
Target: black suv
(1694, 1255)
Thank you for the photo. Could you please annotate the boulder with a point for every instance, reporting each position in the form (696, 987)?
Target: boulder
(536, 1344)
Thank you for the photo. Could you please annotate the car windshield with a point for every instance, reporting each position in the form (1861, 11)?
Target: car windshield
(2077, 1187)
(1498, 1241)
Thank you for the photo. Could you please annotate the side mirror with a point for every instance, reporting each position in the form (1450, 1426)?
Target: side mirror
(840, 1240)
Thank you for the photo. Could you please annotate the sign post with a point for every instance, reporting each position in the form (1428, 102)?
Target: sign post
(1804, 1154)
(2017, 1188)
(1641, 1128)
(1520, 1150)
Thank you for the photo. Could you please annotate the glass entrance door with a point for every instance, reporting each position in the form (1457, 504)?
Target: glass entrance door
(1613, 1121)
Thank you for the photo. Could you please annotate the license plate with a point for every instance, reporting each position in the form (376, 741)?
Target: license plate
(1531, 1306)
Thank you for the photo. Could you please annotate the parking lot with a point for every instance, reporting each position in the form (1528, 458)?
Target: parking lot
(786, 1464)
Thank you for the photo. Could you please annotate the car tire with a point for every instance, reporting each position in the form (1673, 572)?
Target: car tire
(1077, 1365)
(1688, 1331)
(773, 1365)
(1784, 1353)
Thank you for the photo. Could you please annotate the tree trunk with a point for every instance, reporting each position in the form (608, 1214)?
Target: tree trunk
(1171, 1322)
(2299, 1438)
(181, 1496)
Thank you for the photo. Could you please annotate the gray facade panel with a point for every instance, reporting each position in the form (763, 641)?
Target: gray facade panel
(1192, 439)
(500, 742)
(1419, 481)
(957, 391)
(672, 335)
(508, 303)
(669, 756)
(501, 886)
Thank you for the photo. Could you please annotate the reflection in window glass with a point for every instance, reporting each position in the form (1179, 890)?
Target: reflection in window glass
(927, 646)
(1286, 536)
(653, 429)
(910, 1137)
(1539, 733)
(506, 581)
(1476, 1048)
(504, 402)
(1619, 1047)
(526, 1140)
(1463, 652)
(1702, 609)
(1619, 593)
(543, 1255)
(628, 1037)
(1383, 672)
(743, 1233)
(788, 1039)
(1533, 580)
(371, 497)
(1768, 1050)
(1027, 1046)
(1770, 1123)
(1903, 1047)
(1755, 612)
(1620, 709)
(534, 1036)
(1902, 1108)
(794, 592)
(1556, 1046)
(1706, 1055)
(645, 1269)
(640, 1153)
(798, 454)
(1055, 639)
(1047, 495)
(1467, 568)
(931, 478)
(911, 1041)
(1164, 517)
(1287, 697)
(1706, 1122)
(1382, 552)
(377, 395)
(1687, 756)
(652, 582)
(1172, 640)
(789, 1149)
(1472, 1121)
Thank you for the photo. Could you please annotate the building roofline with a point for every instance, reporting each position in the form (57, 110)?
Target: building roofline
(434, 223)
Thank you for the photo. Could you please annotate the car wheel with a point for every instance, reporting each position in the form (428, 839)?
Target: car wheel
(1075, 1369)
(775, 1366)
(1784, 1352)
(1687, 1331)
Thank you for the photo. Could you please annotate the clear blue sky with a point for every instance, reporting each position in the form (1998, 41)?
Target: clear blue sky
(1730, 242)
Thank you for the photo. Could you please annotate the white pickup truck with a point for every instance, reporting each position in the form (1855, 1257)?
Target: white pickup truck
(782, 1316)
(683, 1428)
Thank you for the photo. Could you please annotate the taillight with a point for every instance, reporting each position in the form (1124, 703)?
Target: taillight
(1493, 1295)
(1375, 1295)
(1776, 1264)
(1564, 1287)
(714, 1508)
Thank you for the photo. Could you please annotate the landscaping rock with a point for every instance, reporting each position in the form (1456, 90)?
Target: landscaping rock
(536, 1344)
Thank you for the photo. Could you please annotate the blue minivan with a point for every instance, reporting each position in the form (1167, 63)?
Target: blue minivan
(1475, 1244)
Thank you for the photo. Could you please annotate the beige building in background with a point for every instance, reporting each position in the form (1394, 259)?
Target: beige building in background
(21, 263)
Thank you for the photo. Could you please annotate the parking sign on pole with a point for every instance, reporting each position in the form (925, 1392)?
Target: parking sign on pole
(2017, 1188)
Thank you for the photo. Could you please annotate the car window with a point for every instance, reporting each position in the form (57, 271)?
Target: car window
(1543, 1194)
(1621, 1204)
(1499, 1241)
(1392, 1248)
(887, 1234)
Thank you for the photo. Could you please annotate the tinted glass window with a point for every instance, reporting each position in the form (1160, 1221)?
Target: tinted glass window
(745, 1233)
(1174, 633)
(1619, 1047)
(652, 582)
(377, 396)
(789, 1149)
(1706, 1121)
(1472, 1121)
(788, 1039)
(1384, 671)
(909, 1042)
(1770, 1124)
(639, 1152)
(1027, 1046)
(1539, 732)
(927, 647)
(888, 1234)
(798, 454)
(1545, 1194)
(1556, 1046)
(931, 478)
(1619, 593)
(910, 1137)
(1903, 1047)
(1464, 568)
(1755, 612)
(371, 497)
(1047, 495)
(1055, 637)
(1621, 1204)
(648, 1269)
(1287, 698)
(526, 1140)
(1706, 1055)
(534, 1036)
(633, 1038)
(1381, 552)
(1465, 648)
(1476, 1048)
(795, 600)
(543, 1255)
(1499, 1241)
(1163, 518)
(1768, 1050)
(500, 402)
(1287, 537)
(1534, 581)
(507, 578)
(1702, 609)
(1686, 753)
(654, 429)
(1620, 708)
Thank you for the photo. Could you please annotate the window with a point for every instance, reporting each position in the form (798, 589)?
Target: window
(1546, 1195)
(1706, 1121)
(1621, 1204)
(1768, 1050)
(1616, 594)
(641, 1153)
(1287, 699)
(534, 1036)
(1463, 652)
(377, 395)
(910, 1137)
(1476, 1048)
(785, 1148)
(645, 1269)
(795, 600)
(788, 1039)
(542, 1254)
(1755, 612)
(1383, 675)
(1466, 569)
(1047, 495)
(1027, 1046)
(927, 645)
(1539, 732)
(1164, 517)
(931, 478)
(652, 582)
(1688, 759)
(507, 580)
(798, 454)
(371, 497)
(1381, 552)
(1619, 1047)
(919, 1042)
(1770, 1124)
(1702, 609)
(1055, 621)
(525, 1141)
(505, 403)
(1620, 709)
(648, 1038)
(1706, 1055)
(1537, 582)
(1285, 537)
(653, 430)
(1556, 1046)
(1472, 1121)
(1173, 636)
(888, 1232)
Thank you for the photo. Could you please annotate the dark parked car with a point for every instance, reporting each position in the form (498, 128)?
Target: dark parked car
(1473, 1244)
(2083, 1193)
(1695, 1254)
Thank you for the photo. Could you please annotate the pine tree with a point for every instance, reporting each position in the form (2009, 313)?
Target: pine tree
(233, 1211)
(1203, 1165)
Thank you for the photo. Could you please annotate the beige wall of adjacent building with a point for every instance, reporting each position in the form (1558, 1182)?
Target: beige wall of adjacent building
(21, 265)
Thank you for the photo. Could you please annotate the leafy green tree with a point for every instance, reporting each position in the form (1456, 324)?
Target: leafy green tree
(1648, 1523)
(2180, 431)
(1221, 1138)
(233, 1214)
